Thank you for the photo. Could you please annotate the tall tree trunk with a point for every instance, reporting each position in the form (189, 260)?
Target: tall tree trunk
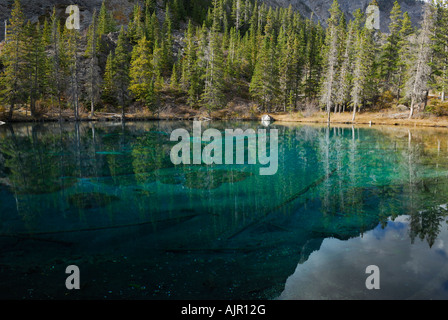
(11, 110)
(354, 113)
(411, 113)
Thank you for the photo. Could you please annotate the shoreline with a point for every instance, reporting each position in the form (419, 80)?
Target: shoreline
(365, 118)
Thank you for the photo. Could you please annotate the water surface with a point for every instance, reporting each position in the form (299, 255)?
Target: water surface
(106, 197)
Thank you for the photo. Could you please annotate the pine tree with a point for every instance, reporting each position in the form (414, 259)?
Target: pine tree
(440, 45)
(390, 58)
(331, 53)
(345, 76)
(136, 27)
(264, 86)
(46, 33)
(235, 60)
(58, 65)
(213, 95)
(108, 88)
(404, 52)
(287, 67)
(141, 72)
(237, 13)
(94, 78)
(152, 28)
(313, 58)
(190, 70)
(363, 66)
(121, 74)
(167, 43)
(150, 6)
(13, 55)
(72, 38)
(174, 80)
(255, 37)
(36, 62)
(106, 21)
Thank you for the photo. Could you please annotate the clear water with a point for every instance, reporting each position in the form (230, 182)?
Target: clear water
(107, 198)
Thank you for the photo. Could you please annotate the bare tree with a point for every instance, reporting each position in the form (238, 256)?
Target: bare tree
(420, 70)
(331, 52)
(93, 85)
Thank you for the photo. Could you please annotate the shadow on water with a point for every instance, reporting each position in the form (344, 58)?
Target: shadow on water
(107, 198)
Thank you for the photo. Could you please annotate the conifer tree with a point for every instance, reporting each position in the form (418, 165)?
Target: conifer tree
(234, 59)
(166, 63)
(264, 86)
(440, 45)
(93, 84)
(213, 95)
(254, 36)
(152, 28)
(58, 62)
(106, 21)
(121, 71)
(237, 13)
(141, 72)
(36, 62)
(363, 66)
(404, 52)
(72, 38)
(46, 33)
(190, 70)
(150, 6)
(136, 27)
(331, 53)
(313, 58)
(108, 88)
(390, 52)
(13, 54)
(174, 80)
(345, 76)
(287, 67)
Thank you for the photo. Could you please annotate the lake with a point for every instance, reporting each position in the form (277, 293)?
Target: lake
(107, 198)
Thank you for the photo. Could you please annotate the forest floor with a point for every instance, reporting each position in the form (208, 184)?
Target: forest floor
(390, 118)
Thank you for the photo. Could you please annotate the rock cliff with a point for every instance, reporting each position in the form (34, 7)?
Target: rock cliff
(318, 8)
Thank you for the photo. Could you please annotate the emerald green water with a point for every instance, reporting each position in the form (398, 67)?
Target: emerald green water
(107, 198)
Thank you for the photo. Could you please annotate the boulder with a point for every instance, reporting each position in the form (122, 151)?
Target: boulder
(267, 118)
(402, 107)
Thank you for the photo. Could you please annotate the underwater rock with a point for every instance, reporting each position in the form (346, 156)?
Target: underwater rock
(213, 179)
(38, 185)
(91, 200)
(170, 179)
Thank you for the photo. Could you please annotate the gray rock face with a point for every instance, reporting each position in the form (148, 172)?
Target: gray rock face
(35, 9)
(319, 8)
